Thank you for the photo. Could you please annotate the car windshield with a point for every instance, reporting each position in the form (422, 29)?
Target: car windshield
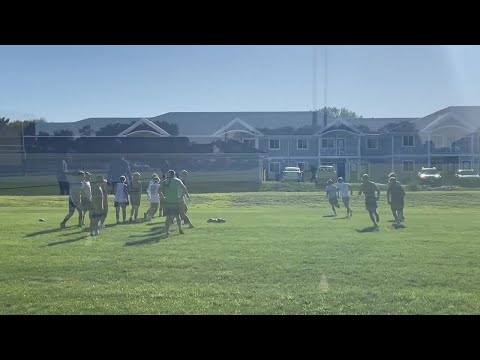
(430, 172)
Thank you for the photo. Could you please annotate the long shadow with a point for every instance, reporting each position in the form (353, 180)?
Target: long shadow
(151, 240)
(67, 241)
(328, 216)
(159, 231)
(367, 229)
(43, 232)
(398, 226)
(341, 218)
(155, 223)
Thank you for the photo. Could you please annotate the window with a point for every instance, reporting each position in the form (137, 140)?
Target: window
(327, 144)
(407, 141)
(408, 165)
(274, 144)
(437, 141)
(466, 164)
(302, 165)
(274, 167)
(249, 142)
(372, 143)
(302, 144)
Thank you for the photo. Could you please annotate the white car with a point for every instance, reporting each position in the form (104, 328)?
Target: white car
(292, 173)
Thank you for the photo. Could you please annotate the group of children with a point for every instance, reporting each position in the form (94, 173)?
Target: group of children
(395, 197)
(87, 195)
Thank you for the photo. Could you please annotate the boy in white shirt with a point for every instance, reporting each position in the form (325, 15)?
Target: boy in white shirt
(343, 188)
(153, 193)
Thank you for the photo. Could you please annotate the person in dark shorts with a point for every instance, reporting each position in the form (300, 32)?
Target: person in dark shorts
(392, 174)
(104, 186)
(372, 194)
(184, 207)
(75, 179)
(62, 177)
(135, 196)
(395, 198)
(96, 209)
(332, 195)
(174, 190)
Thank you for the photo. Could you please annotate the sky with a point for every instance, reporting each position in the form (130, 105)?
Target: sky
(66, 83)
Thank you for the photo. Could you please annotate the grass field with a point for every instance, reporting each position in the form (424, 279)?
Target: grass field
(278, 253)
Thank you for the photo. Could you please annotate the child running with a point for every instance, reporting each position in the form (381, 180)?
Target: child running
(332, 195)
(343, 188)
(135, 196)
(121, 199)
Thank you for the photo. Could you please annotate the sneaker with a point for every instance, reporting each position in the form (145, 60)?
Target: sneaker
(167, 233)
(62, 225)
(97, 232)
(377, 216)
(118, 222)
(92, 233)
(181, 231)
(190, 226)
(351, 213)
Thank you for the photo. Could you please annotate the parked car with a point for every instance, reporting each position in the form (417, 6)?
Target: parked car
(325, 173)
(467, 177)
(292, 173)
(429, 176)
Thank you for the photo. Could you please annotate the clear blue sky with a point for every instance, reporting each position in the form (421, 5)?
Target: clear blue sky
(70, 83)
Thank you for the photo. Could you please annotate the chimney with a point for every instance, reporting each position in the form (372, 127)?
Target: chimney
(314, 119)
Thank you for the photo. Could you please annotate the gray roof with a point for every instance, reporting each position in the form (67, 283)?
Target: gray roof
(207, 123)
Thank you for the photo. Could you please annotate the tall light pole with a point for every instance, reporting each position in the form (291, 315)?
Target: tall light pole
(314, 78)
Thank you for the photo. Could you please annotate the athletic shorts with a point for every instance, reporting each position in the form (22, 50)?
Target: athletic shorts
(346, 201)
(172, 209)
(371, 204)
(333, 202)
(117, 204)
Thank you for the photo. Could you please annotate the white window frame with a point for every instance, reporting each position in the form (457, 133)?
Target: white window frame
(302, 148)
(270, 144)
(249, 139)
(333, 142)
(408, 161)
(440, 143)
(403, 141)
(305, 165)
(270, 167)
(376, 143)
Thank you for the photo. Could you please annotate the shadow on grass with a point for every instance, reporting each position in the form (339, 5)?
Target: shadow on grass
(341, 218)
(156, 223)
(68, 241)
(328, 216)
(398, 226)
(367, 229)
(150, 240)
(49, 231)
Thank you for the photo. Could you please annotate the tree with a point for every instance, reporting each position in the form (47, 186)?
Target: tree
(63, 132)
(4, 122)
(113, 129)
(86, 130)
(343, 113)
(43, 133)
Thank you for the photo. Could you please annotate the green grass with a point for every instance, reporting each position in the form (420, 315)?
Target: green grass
(276, 254)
